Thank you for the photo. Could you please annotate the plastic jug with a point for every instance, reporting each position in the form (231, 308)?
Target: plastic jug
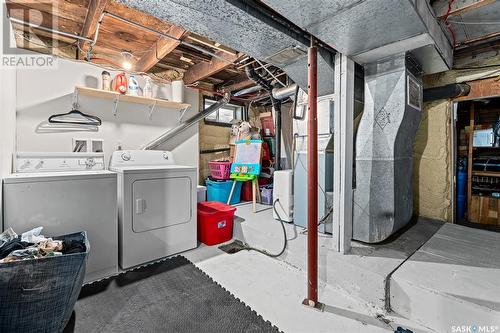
(120, 83)
(133, 86)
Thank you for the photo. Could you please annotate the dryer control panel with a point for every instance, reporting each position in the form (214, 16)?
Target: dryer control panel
(121, 158)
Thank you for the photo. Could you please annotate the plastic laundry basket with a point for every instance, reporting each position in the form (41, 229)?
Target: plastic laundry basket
(38, 295)
(220, 190)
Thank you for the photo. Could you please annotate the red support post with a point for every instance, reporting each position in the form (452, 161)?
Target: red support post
(312, 181)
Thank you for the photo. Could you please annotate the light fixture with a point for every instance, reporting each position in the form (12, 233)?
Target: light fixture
(127, 59)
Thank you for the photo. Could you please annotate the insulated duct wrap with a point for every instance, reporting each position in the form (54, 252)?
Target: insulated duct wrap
(383, 199)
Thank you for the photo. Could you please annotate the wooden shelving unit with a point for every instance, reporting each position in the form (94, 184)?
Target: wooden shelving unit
(113, 95)
(486, 173)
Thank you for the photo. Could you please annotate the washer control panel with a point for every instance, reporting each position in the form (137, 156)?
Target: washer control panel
(54, 162)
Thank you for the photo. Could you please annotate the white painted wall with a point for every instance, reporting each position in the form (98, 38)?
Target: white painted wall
(7, 110)
(43, 92)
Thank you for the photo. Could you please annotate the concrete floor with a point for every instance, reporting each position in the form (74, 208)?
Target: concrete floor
(352, 287)
(453, 280)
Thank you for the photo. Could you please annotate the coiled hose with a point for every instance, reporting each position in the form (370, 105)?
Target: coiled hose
(285, 242)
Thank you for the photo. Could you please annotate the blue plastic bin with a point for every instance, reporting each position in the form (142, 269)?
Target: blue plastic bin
(219, 191)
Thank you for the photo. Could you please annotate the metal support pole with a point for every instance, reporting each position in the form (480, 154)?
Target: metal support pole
(312, 181)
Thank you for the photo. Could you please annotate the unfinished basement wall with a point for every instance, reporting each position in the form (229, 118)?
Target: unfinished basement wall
(432, 162)
(217, 137)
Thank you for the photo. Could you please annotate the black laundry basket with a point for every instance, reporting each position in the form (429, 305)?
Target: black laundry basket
(38, 295)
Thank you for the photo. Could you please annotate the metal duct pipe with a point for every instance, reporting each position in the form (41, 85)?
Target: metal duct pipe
(282, 93)
(188, 123)
(247, 91)
(254, 76)
(448, 91)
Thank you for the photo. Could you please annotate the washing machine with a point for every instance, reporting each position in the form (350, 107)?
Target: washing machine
(66, 193)
(156, 206)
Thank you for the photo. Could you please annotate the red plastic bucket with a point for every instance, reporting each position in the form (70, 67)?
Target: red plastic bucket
(215, 222)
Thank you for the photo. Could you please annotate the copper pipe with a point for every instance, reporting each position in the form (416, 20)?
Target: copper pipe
(312, 181)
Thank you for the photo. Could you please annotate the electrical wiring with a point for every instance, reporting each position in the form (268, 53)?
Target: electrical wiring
(448, 25)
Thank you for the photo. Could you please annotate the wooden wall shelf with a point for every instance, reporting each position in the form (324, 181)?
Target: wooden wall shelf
(113, 95)
(486, 173)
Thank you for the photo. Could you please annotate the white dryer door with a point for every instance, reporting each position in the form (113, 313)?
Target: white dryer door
(160, 203)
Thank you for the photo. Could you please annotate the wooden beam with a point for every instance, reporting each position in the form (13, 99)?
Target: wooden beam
(204, 69)
(458, 7)
(160, 49)
(96, 8)
(482, 89)
(238, 86)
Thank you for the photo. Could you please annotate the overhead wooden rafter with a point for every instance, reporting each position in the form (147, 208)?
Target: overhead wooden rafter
(94, 14)
(205, 69)
(458, 7)
(238, 86)
(160, 49)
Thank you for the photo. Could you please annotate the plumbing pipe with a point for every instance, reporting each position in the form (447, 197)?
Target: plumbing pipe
(282, 93)
(312, 180)
(55, 31)
(247, 91)
(448, 91)
(188, 123)
(252, 75)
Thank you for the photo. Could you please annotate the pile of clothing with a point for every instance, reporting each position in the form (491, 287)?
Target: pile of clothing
(30, 245)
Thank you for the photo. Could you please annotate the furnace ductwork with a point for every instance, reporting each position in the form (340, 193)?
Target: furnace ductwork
(383, 197)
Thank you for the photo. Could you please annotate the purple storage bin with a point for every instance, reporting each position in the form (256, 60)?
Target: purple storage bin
(266, 193)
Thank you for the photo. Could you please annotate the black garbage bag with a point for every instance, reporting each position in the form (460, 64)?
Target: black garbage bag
(38, 295)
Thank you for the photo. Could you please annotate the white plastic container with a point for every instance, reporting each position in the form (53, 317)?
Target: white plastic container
(147, 91)
(483, 138)
(201, 193)
(178, 91)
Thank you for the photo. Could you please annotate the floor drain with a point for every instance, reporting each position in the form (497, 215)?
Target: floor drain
(232, 247)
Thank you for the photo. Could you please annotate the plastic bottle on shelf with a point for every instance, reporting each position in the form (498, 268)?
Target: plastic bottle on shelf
(147, 91)
(133, 86)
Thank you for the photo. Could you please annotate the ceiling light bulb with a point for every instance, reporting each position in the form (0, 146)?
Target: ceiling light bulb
(126, 65)
(127, 59)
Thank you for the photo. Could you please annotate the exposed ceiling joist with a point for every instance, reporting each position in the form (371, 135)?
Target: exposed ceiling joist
(205, 69)
(94, 13)
(160, 49)
(458, 7)
(238, 86)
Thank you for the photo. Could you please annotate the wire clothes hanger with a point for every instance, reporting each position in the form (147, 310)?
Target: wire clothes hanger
(75, 117)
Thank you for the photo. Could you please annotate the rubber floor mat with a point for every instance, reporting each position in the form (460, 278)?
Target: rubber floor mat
(169, 296)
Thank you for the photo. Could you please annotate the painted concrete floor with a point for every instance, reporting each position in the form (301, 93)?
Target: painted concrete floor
(275, 288)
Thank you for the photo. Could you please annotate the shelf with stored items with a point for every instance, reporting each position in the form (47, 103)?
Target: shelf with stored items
(113, 95)
(483, 164)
